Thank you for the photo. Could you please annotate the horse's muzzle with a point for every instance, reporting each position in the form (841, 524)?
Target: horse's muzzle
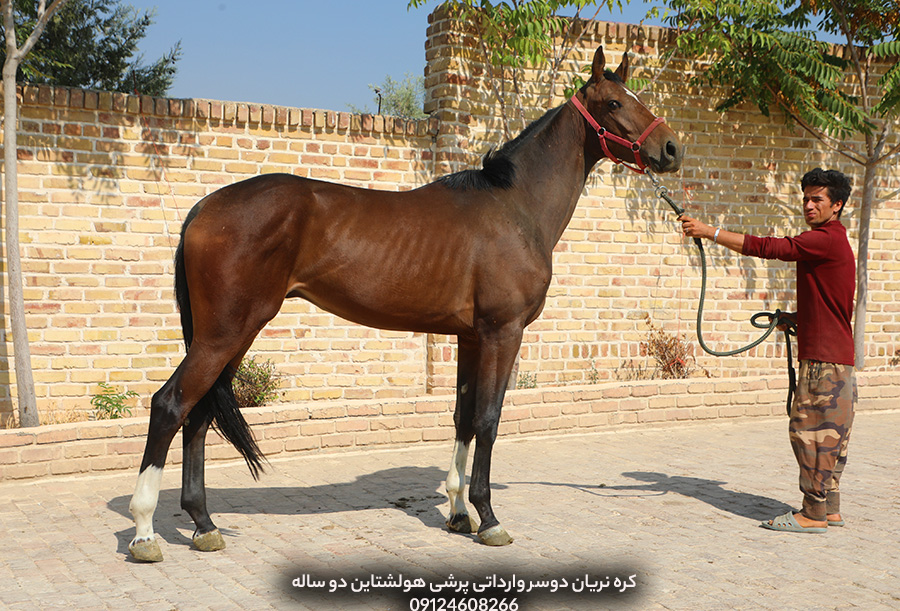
(669, 159)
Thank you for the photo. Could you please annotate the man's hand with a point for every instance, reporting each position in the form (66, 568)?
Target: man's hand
(790, 317)
(693, 228)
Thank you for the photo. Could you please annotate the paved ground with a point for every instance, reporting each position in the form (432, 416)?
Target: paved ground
(677, 507)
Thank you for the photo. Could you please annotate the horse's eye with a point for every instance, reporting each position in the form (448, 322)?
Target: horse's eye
(613, 105)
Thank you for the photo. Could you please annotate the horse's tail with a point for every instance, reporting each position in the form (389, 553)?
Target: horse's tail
(219, 403)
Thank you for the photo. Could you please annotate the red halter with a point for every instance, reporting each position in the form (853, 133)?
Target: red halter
(604, 135)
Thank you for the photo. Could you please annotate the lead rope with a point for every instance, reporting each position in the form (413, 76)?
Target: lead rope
(775, 318)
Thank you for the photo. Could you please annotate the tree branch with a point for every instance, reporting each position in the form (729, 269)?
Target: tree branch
(476, 17)
(565, 51)
(861, 74)
(890, 153)
(854, 54)
(9, 27)
(44, 15)
(839, 147)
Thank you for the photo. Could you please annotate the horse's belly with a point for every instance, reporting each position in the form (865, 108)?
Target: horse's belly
(382, 306)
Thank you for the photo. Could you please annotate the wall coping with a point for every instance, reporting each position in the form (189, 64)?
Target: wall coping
(270, 115)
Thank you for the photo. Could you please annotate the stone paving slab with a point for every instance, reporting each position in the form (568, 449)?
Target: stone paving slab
(678, 506)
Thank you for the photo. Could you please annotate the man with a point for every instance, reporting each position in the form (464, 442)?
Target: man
(822, 411)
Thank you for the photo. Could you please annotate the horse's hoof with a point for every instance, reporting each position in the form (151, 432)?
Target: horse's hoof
(145, 550)
(495, 535)
(209, 542)
(462, 523)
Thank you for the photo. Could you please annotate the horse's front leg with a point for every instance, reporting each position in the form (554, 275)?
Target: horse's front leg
(497, 354)
(466, 381)
(207, 537)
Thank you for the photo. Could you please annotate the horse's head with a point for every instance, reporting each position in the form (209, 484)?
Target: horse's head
(628, 131)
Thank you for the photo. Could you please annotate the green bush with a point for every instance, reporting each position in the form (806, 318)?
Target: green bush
(109, 403)
(526, 380)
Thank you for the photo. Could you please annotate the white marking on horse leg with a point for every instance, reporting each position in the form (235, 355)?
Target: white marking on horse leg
(456, 478)
(143, 503)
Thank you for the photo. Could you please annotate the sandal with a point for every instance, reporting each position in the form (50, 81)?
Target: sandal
(788, 523)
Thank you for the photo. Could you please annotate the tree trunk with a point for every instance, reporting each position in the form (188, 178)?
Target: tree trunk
(862, 256)
(28, 415)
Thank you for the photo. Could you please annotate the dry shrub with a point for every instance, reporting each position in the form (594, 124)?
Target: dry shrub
(255, 384)
(673, 358)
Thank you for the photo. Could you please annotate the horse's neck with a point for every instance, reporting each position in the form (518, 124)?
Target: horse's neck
(554, 171)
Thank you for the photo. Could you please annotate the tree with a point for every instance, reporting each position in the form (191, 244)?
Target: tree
(404, 98)
(847, 97)
(28, 415)
(92, 44)
(518, 34)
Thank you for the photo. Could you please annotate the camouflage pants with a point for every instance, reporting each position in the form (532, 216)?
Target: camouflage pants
(819, 430)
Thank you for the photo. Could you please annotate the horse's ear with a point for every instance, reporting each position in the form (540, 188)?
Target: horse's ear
(622, 70)
(598, 65)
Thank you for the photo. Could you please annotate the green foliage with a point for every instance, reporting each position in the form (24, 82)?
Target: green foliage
(526, 380)
(516, 34)
(889, 105)
(404, 98)
(110, 403)
(255, 384)
(593, 374)
(92, 44)
(766, 52)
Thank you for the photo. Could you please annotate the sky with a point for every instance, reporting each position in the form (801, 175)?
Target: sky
(297, 53)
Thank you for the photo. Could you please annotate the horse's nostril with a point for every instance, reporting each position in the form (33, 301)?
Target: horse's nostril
(671, 149)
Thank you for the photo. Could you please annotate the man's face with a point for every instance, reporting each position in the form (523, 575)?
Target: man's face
(818, 208)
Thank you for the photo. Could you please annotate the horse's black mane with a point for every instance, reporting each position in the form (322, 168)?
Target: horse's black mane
(498, 169)
(609, 75)
(497, 172)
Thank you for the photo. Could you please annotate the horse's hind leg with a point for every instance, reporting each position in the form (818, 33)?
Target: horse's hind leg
(459, 520)
(207, 537)
(165, 419)
(168, 410)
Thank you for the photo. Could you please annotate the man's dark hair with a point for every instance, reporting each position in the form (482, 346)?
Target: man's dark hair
(837, 183)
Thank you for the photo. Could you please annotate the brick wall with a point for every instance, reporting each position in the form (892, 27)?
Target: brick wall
(345, 425)
(106, 179)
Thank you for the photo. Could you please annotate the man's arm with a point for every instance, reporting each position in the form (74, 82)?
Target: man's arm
(693, 228)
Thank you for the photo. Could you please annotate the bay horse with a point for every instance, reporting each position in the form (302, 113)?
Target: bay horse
(468, 255)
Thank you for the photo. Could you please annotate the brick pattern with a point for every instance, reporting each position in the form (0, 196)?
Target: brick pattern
(106, 182)
(330, 426)
(106, 179)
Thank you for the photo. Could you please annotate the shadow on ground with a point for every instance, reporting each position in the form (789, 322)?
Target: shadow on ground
(743, 504)
(411, 490)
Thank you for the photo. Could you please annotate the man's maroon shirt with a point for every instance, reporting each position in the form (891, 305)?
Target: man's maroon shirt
(826, 281)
